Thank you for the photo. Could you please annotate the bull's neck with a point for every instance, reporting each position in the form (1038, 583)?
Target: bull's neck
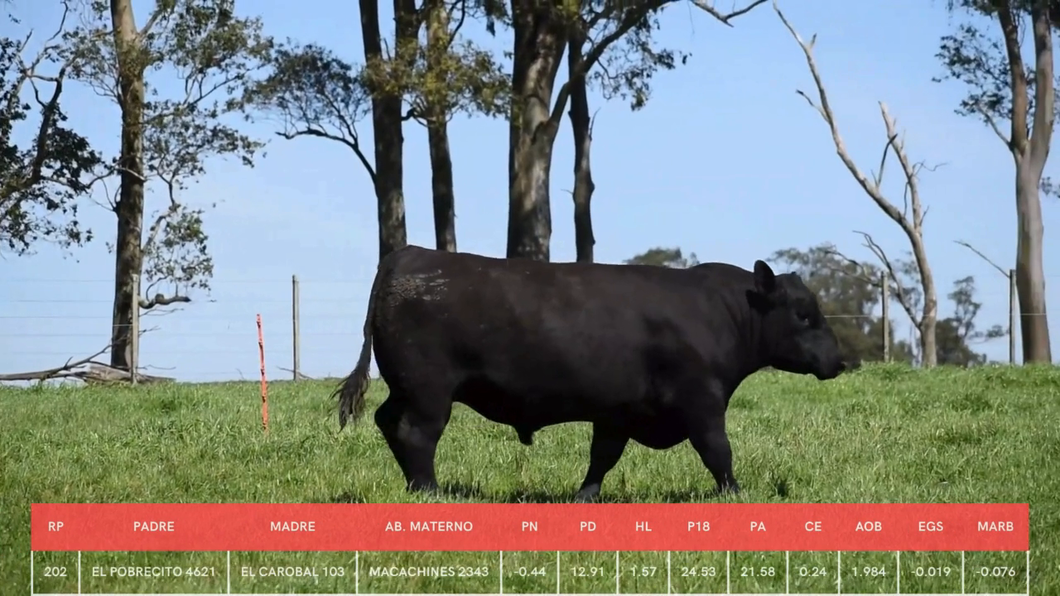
(751, 346)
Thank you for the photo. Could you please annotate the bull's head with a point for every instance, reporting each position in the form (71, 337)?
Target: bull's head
(795, 335)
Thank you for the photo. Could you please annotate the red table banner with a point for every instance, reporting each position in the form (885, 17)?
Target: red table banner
(530, 527)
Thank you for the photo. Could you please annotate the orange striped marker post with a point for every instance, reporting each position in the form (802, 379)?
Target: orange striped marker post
(264, 383)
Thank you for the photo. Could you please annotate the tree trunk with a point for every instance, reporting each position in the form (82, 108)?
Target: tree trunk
(442, 187)
(1030, 270)
(438, 132)
(928, 324)
(539, 44)
(929, 313)
(386, 133)
(130, 206)
(583, 176)
(1031, 156)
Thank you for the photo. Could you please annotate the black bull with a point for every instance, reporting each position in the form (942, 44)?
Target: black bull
(645, 353)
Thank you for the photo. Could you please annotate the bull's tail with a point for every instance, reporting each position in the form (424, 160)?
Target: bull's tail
(353, 388)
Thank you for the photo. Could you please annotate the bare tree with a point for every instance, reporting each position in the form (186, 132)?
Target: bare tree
(1002, 87)
(911, 219)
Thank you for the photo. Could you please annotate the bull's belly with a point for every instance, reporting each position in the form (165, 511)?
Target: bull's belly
(525, 414)
(659, 432)
(652, 429)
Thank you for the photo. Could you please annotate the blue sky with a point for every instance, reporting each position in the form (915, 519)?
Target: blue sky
(725, 161)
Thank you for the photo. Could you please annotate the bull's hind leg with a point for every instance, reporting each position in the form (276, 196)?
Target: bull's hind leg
(412, 432)
(388, 418)
(606, 450)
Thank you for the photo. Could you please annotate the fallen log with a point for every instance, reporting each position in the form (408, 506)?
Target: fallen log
(87, 370)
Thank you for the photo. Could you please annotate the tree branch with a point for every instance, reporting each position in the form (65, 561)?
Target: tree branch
(825, 110)
(156, 227)
(1044, 97)
(111, 170)
(629, 20)
(353, 145)
(911, 186)
(44, 375)
(726, 18)
(993, 125)
(833, 251)
(579, 71)
(49, 110)
(901, 293)
(160, 300)
(160, 10)
(85, 369)
(982, 256)
(877, 179)
(1017, 77)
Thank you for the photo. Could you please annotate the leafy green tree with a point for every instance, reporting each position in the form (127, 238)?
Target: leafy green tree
(168, 134)
(449, 79)
(591, 31)
(42, 179)
(958, 332)
(1004, 85)
(311, 92)
(625, 70)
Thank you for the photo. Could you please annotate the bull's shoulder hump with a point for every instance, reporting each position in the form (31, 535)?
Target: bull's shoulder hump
(403, 258)
(722, 269)
(412, 258)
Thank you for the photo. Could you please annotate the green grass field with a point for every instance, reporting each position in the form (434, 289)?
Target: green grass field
(882, 434)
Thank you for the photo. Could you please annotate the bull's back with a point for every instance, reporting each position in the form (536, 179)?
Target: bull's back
(569, 332)
(544, 303)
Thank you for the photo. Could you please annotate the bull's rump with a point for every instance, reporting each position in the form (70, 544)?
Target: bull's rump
(579, 338)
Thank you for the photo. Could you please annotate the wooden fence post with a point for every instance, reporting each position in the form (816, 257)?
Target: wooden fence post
(1012, 310)
(886, 317)
(296, 343)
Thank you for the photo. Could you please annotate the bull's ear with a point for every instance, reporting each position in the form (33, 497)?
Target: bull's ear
(765, 280)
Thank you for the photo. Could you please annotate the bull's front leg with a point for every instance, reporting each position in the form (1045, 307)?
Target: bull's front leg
(712, 445)
(706, 426)
(606, 450)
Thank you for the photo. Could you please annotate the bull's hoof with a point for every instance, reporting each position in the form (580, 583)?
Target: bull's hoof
(526, 437)
(420, 486)
(728, 489)
(586, 496)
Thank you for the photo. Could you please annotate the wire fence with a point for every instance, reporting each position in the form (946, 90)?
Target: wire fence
(312, 328)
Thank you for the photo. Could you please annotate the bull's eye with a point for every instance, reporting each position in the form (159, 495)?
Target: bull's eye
(803, 318)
